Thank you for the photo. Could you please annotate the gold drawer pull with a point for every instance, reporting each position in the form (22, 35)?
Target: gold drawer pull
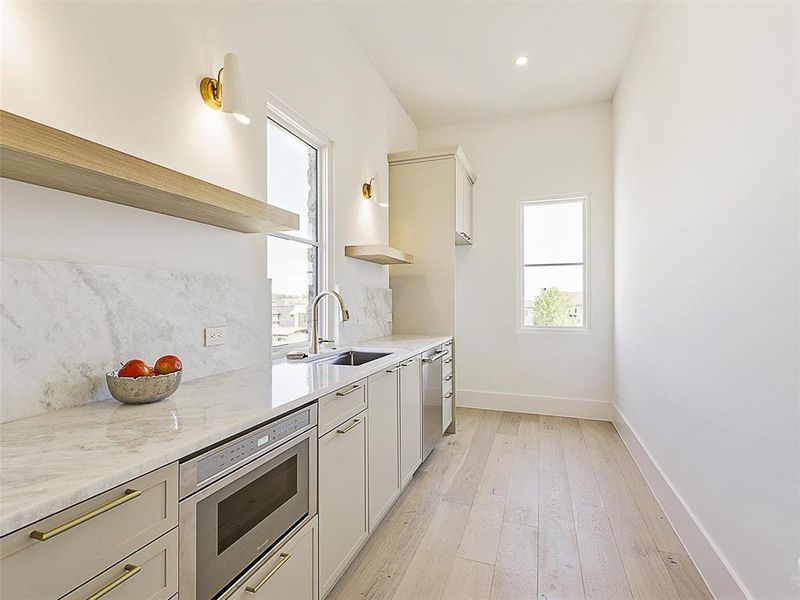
(394, 370)
(448, 361)
(448, 378)
(284, 558)
(43, 536)
(349, 427)
(350, 391)
(130, 571)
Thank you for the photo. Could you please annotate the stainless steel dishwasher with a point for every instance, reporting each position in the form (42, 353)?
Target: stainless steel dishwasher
(431, 399)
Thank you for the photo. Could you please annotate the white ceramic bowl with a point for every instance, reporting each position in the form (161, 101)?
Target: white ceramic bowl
(142, 390)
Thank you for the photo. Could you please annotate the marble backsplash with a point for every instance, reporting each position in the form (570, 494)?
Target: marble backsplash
(370, 313)
(64, 325)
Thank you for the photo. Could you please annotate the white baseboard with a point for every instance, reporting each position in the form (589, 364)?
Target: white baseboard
(540, 405)
(718, 574)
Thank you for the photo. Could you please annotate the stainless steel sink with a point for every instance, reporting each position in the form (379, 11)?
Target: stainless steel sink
(353, 358)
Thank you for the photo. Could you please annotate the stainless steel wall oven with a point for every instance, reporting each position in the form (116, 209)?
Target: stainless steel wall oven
(242, 497)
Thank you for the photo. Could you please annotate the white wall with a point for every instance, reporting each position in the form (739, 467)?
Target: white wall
(706, 307)
(127, 75)
(553, 152)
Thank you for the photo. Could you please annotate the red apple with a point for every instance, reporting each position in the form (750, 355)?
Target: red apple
(167, 364)
(134, 368)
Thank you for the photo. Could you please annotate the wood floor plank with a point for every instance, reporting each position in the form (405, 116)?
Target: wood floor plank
(601, 567)
(647, 575)
(580, 472)
(497, 472)
(559, 576)
(515, 569)
(551, 451)
(467, 479)
(522, 500)
(549, 546)
(482, 532)
(468, 580)
(426, 576)
(686, 577)
(528, 435)
(660, 528)
(509, 424)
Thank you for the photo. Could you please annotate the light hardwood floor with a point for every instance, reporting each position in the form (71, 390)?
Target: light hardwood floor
(525, 507)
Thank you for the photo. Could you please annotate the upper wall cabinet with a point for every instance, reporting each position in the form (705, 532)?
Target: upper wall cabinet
(454, 167)
(41, 155)
(464, 183)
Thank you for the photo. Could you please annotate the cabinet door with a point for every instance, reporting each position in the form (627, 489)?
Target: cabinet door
(289, 574)
(343, 526)
(459, 201)
(410, 418)
(384, 441)
(466, 208)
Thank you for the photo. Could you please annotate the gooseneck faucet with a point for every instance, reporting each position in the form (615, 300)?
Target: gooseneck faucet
(314, 345)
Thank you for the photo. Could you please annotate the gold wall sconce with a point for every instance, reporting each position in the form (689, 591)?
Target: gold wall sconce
(368, 191)
(232, 98)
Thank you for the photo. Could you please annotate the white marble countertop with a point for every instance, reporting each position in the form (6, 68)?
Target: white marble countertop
(52, 461)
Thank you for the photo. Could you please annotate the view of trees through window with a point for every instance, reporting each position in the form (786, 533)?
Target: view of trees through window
(553, 263)
(292, 258)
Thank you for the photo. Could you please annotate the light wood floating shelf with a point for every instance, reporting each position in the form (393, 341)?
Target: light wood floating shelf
(41, 155)
(382, 255)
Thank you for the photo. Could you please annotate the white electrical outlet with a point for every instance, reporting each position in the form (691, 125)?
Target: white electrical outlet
(215, 336)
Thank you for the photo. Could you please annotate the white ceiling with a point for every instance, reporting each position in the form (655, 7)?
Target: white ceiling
(453, 62)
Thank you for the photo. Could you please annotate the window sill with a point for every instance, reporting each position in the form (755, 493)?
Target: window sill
(556, 330)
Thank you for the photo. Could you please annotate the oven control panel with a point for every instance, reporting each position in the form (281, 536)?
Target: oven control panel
(243, 449)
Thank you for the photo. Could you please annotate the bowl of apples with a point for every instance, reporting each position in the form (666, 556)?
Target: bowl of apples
(137, 383)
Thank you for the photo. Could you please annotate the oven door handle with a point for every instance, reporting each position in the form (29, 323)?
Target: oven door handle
(253, 589)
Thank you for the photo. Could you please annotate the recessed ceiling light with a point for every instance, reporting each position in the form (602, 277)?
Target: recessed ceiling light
(521, 60)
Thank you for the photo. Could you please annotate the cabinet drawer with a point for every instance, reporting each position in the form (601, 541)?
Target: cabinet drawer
(149, 574)
(447, 367)
(447, 411)
(447, 386)
(340, 405)
(289, 574)
(57, 554)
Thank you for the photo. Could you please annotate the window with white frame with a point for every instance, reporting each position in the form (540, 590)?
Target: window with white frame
(553, 267)
(296, 259)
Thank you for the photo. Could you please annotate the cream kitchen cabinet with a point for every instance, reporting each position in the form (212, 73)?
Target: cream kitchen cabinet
(463, 206)
(51, 557)
(289, 574)
(342, 505)
(384, 442)
(410, 418)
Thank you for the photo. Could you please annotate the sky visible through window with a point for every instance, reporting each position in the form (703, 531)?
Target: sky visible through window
(553, 270)
(292, 265)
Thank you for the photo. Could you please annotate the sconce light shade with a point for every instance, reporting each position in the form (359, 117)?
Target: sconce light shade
(369, 192)
(234, 100)
(227, 91)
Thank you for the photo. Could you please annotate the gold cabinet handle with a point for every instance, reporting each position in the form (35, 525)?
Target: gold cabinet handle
(130, 571)
(349, 427)
(450, 395)
(448, 378)
(350, 391)
(394, 370)
(448, 361)
(254, 589)
(43, 536)
(408, 362)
